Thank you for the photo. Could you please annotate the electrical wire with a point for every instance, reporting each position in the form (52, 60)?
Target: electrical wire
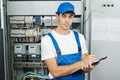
(33, 75)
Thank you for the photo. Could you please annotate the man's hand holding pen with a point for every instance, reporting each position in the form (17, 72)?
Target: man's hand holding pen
(87, 61)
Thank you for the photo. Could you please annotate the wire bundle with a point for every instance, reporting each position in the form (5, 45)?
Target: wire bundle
(33, 75)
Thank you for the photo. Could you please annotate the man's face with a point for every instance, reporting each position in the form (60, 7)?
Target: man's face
(65, 20)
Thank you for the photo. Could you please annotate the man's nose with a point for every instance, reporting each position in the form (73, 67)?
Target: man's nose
(67, 20)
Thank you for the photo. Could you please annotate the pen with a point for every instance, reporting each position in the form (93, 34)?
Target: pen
(86, 54)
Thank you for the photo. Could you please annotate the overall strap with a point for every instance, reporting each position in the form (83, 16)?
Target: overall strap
(55, 43)
(77, 40)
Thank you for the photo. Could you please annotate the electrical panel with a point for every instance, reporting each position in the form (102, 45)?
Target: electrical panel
(26, 32)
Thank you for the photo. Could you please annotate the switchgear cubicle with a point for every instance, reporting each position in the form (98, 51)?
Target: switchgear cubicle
(27, 23)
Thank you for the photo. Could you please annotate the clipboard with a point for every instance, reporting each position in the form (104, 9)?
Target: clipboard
(96, 62)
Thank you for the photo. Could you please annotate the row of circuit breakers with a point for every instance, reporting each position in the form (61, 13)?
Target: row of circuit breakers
(30, 23)
(27, 52)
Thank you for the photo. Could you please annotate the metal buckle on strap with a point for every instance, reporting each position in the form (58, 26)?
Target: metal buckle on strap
(58, 51)
(79, 48)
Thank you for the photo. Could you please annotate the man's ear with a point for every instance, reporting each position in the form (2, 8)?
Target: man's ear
(56, 16)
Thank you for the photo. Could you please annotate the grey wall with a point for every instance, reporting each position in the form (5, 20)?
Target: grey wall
(108, 69)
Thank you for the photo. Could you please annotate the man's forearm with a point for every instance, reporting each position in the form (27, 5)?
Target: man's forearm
(67, 69)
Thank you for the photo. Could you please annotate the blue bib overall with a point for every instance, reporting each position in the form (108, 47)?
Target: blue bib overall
(68, 59)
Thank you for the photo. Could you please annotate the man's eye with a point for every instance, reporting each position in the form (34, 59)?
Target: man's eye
(70, 16)
(64, 16)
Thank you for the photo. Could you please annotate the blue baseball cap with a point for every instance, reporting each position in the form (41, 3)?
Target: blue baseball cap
(65, 7)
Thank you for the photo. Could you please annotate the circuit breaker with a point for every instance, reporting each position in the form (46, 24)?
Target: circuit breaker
(34, 53)
(20, 53)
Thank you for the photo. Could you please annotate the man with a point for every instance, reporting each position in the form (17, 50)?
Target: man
(63, 50)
